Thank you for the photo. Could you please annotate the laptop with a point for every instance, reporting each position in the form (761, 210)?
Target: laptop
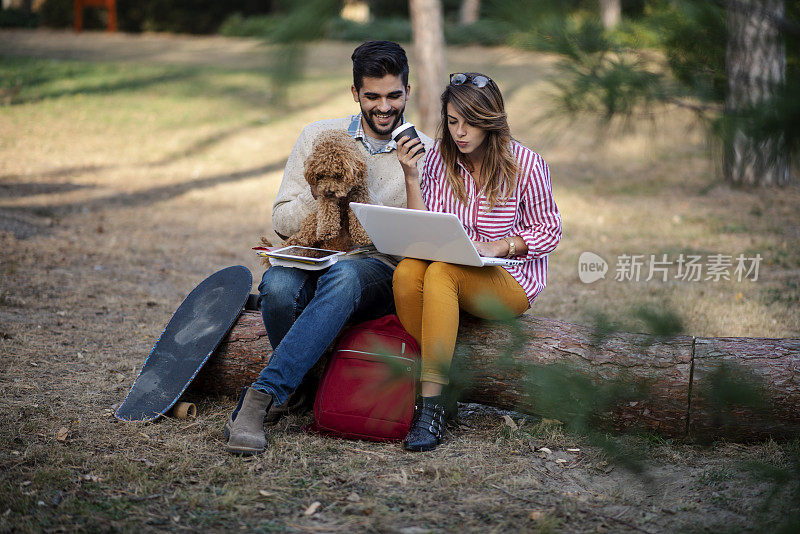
(425, 235)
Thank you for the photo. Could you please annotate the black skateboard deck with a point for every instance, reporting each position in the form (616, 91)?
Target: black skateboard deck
(189, 339)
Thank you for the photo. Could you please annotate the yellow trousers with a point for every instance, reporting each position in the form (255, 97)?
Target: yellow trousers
(428, 296)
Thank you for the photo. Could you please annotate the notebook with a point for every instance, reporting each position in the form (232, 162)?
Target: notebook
(424, 235)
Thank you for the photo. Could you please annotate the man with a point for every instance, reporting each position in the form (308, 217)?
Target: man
(303, 310)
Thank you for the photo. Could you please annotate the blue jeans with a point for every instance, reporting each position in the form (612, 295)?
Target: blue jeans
(304, 311)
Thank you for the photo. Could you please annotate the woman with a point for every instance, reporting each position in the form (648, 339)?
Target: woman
(501, 192)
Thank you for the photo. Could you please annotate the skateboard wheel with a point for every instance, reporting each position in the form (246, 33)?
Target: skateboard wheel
(184, 410)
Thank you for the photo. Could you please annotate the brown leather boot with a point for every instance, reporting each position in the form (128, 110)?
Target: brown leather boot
(245, 427)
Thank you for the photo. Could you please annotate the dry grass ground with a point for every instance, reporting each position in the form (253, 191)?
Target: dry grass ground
(132, 167)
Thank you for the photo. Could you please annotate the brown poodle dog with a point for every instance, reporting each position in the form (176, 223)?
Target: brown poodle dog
(337, 170)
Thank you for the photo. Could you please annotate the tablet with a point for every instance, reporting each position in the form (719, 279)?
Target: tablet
(302, 254)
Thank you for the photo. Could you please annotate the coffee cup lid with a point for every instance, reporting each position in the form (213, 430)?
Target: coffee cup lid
(402, 128)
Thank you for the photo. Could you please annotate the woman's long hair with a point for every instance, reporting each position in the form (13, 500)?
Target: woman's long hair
(481, 107)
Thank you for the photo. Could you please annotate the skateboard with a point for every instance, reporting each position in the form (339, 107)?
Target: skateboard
(189, 339)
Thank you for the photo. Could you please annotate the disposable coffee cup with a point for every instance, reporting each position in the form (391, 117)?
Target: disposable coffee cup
(407, 130)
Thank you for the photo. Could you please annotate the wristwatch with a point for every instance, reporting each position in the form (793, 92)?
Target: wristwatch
(512, 247)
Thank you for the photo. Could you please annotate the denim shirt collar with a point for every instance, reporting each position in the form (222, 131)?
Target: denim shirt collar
(356, 131)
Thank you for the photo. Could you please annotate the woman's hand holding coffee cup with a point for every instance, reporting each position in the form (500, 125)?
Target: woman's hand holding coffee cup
(409, 148)
(409, 151)
(408, 154)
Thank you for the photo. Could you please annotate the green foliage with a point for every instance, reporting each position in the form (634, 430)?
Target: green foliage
(694, 36)
(674, 53)
(305, 20)
(59, 14)
(775, 122)
(391, 29)
(599, 75)
(553, 33)
(529, 15)
(237, 25)
(388, 9)
(18, 18)
(483, 32)
(792, 38)
(634, 9)
(301, 22)
(580, 400)
(184, 16)
(638, 34)
(609, 86)
(486, 32)
(661, 323)
(564, 393)
(394, 9)
(729, 388)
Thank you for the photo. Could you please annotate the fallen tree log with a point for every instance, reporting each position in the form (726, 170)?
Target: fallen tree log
(766, 370)
(686, 379)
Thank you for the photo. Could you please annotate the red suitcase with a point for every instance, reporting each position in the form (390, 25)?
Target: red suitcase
(369, 385)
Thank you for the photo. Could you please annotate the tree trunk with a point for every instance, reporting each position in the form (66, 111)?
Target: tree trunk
(682, 374)
(429, 64)
(665, 366)
(774, 368)
(239, 359)
(755, 64)
(469, 12)
(610, 13)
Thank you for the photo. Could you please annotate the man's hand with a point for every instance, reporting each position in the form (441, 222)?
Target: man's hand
(492, 249)
(405, 149)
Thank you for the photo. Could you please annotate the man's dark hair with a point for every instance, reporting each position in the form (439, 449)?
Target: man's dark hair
(376, 59)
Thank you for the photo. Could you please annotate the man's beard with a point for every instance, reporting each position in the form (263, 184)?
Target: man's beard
(383, 131)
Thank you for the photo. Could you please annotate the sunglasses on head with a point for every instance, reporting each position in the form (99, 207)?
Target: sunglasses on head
(478, 81)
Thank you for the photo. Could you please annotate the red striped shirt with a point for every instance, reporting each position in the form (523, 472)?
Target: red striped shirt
(530, 212)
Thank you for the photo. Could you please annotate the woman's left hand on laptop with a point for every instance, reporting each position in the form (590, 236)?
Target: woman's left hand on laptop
(491, 249)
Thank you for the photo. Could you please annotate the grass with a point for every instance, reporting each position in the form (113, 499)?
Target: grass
(138, 179)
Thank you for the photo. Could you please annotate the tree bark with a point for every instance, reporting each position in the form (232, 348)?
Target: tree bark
(755, 64)
(239, 359)
(428, 31)
(665, 366)
(773, 366)
(610, 13)
(469, 12)
(680, 373)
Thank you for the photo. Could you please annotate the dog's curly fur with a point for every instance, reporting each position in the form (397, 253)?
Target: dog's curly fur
(338, 171)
